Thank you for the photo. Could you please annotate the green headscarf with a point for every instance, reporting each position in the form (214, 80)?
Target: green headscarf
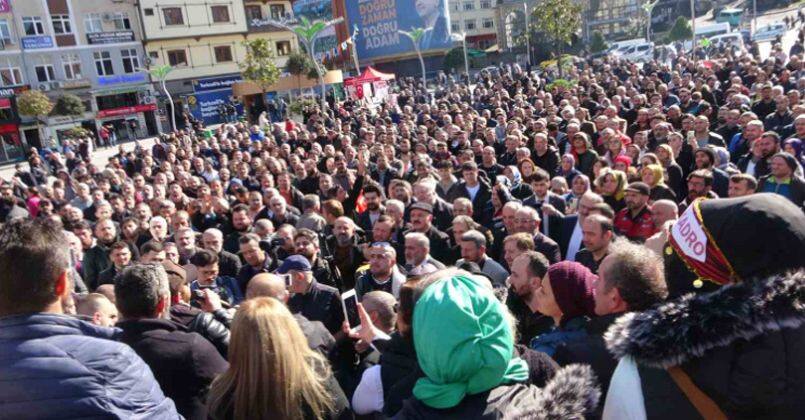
(463, 341)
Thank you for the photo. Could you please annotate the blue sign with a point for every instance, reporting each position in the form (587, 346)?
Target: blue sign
(379, 23)
(37, 42)
(122, 78)
(216, 83)
(207, 106)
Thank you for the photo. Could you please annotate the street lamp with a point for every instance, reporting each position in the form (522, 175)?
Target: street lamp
(160, 73)
(466, 61)
(527, 35)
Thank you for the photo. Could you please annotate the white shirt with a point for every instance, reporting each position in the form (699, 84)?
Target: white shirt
(575, 242)
(624, 399)
(473, 191)
(750, 167)
(368, 396)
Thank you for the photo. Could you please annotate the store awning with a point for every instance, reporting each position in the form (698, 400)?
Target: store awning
(473, 53)
(493, 49)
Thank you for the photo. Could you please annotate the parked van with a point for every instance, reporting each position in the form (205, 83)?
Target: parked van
(707, 31)
(769, 32)
(618, 47)
(639, 53)
(734, 39)
(731, 16)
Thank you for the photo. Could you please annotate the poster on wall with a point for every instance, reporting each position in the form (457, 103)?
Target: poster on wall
(379, 23)
(5, 6)
(318, 10)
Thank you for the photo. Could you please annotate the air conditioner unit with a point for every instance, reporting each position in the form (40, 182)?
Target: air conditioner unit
(107, 17)
(55, 85)
(44, 87)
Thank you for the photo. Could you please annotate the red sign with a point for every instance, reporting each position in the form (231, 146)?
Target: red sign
(9, 128)
(5, 103)
(128, 110)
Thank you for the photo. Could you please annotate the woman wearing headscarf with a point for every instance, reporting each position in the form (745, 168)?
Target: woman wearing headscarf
(794, 147)
(567, 168)
(518, 189)
(581, 184)
(652, 175)
(584, 154)
(566, 296)
(470, 369)
(612, 187)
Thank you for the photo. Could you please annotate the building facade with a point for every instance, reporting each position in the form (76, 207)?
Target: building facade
(202, 41)
(476, 19)
(89, 48)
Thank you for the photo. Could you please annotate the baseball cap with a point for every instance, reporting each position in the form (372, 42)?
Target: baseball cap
(639, 187)
(294, 263)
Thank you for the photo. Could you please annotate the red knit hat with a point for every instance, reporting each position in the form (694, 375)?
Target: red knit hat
(572, 285)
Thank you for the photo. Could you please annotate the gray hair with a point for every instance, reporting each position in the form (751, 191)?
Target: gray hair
(138, 289)
(214, 232)
(418, 238)
(475, 237)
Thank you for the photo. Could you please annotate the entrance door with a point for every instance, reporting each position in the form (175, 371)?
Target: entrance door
(32, 138)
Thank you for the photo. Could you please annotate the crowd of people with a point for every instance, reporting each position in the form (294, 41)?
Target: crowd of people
(628, 245)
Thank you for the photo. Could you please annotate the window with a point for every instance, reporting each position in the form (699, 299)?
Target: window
(283, 48)
(254, 13)
(486, 4)
(131, 61)
(489, 23)
(103, 63)
(32, 25)
(121, 21)
(177, 58)
(173, 16)
(277, 11)
(149, 11)
(93, 23)
(220, 14)
(153, 54)
(469, 5)
(72, 66)
(456, 6)
(454, 26)
(223, 54)
(45, 73)
(10, 76)
(5, 34)
(469, 24)
(61, 24)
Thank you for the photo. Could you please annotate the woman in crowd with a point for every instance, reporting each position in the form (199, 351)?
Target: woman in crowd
(612, 186)
(675, 180)
(652, 175)
(273, 373)
(581, 184)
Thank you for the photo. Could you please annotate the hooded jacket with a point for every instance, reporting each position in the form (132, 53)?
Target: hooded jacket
(741, 345)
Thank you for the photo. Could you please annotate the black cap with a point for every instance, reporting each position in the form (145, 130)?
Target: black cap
(422, 206)
(639, 187)
(295, 263)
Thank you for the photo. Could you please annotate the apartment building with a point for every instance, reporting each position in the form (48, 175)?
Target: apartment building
(202, 40)
(89, 48)
(476, 19)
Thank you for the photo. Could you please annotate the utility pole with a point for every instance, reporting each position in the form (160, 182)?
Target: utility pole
(464, 47)
(527, 34)
(754, 17)
(693, 29)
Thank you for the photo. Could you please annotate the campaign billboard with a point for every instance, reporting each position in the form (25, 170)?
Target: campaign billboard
(313, 10)
(209, 95)
(379, 23)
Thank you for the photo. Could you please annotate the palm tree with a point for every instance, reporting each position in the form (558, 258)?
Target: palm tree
(160, 73)
(415, 34)
(307, 32)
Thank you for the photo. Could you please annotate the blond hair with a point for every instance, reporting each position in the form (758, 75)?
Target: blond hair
(272, 372)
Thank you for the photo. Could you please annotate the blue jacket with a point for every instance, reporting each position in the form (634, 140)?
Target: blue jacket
(55, 366)
(571, 331)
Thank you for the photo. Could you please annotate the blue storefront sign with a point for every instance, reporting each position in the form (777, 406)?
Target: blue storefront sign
(122, 78)
(210, 94)
(215, 83)
(37, 42)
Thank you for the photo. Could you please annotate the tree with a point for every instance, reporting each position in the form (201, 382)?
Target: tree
(454, 59)
(307, 32)
(258, 67)
(597, 42)
(559, 20)
(299, 64)
(681, 30)
(69, 105)
(34, 103)
(415, 34)
(160, 73)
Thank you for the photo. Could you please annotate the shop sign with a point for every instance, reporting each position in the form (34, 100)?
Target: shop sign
(37, 42)
(113, 37)
(215, 83)
(122, 78)
(128, 110)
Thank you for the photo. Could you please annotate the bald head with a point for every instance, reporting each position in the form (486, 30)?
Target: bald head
(267, 285)
(98, 308)
(663, 211)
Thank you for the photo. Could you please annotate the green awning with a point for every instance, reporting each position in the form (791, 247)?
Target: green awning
(475, 53)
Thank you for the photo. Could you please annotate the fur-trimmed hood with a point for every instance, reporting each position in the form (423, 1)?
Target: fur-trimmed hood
(688, 327)
(571, 394)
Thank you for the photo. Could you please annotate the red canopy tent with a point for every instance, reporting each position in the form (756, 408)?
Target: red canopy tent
(372, 80)
(369, 75)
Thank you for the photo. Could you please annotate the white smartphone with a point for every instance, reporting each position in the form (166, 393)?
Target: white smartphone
(349, 301)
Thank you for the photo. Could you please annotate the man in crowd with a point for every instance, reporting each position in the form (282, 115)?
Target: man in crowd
(634, 222)
(205, 264)
(183, 363)
(96, 259)
(314, 301)
(421, 222)
(383, 273)
(306, 243)
(120, 254)
(528, 221)
(527, 271)
(598, 234)
(213, 240)
(471, 187)
(257, 260)
(417, 254)
(47, 352)
(344, 249)
(741, 185)
(473, 249)
(97, 309)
